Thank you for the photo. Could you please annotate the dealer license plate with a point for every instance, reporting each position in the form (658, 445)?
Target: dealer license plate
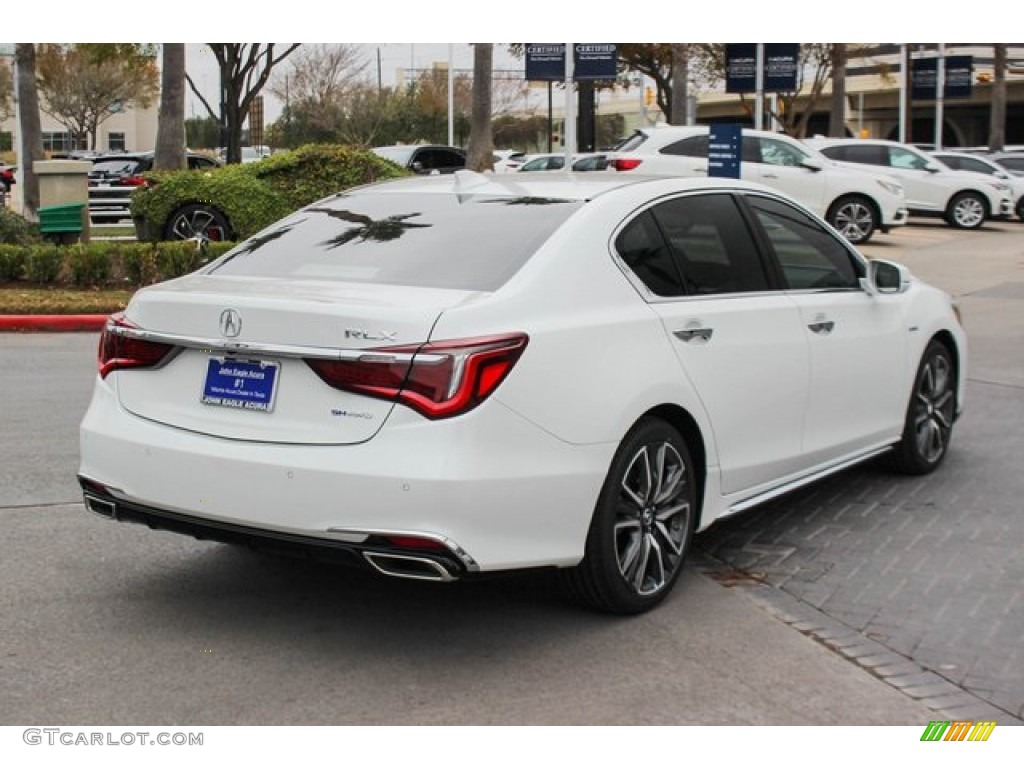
(246, 384)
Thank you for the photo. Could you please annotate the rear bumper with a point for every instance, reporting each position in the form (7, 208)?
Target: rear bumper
(373, 551)
(496, 490)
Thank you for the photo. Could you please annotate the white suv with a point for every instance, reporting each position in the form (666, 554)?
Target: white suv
(963, 198)
(855, 202)
(963, 161)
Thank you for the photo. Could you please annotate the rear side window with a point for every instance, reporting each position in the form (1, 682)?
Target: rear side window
(462, 242)
(711, 244)
(642, 247)
(867, 154)
(692, 146)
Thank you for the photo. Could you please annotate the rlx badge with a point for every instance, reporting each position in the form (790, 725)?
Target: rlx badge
(359, 333)
(230, 323)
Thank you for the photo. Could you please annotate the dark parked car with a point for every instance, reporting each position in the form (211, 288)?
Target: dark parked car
(114, 177)
(7, 178)
(424, 158)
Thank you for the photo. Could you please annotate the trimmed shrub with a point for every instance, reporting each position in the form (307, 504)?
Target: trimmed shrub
(254, 196)
(88, 263)
(44, 263)
(16, 230)
(12, 262)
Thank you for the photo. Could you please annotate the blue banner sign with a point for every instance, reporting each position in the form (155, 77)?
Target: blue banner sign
(725, 150)
(545, 61)
(595, 61)
(959, 77)
(780, 65)
(781, 61)
(591, 61)
(924, 78)
(740, 67)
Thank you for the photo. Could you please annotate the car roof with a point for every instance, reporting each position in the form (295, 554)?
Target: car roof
(562, 185)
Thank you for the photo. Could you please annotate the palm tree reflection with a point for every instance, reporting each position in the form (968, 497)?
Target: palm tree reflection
(380, 230)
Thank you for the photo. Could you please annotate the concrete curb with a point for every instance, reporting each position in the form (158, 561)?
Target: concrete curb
(60, 323)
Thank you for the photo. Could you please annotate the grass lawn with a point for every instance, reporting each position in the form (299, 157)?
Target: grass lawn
(28, 299)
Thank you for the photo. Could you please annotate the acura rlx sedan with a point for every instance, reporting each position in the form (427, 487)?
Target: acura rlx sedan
(441, 377)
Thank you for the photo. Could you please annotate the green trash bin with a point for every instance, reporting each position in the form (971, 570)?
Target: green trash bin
(60, 220)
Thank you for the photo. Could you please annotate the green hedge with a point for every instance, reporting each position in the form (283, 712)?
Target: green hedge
(255, 195)
(104, 263)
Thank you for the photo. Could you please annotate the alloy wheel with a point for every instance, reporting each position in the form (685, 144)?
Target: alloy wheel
(652, 518)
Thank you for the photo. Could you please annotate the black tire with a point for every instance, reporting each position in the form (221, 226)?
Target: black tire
(202, 223)
(928, 425)
(967, 210)
(642, 524)
(1020, 209)
(854, 217)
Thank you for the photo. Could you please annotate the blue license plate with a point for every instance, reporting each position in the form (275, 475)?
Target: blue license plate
(246, 384)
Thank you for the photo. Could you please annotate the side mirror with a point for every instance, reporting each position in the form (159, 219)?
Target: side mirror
(932, 168)
(416, 167)
(812, 163)
(885, 277)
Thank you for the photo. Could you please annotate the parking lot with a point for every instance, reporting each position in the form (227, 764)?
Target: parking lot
(866, 599)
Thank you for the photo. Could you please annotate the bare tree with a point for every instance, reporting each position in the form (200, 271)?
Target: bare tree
(244, 71)
(481, 141)
(318, 80)
(31, 128)
(170, 132)
(997, 119)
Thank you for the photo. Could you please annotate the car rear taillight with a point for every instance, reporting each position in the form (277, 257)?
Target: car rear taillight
(131, 181)
(626, 163)
(438, 379)
(118, 350)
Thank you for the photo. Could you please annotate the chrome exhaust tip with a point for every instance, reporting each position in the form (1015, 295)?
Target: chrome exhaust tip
(408, 566)
(101, 507)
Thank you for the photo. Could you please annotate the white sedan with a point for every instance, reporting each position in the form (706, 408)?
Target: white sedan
(442, 377)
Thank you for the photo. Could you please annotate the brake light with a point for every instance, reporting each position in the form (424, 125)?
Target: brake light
(626, 163)
(438, 380)
(131, 181)
(118, 350)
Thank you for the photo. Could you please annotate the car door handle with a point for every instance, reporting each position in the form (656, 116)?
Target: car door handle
(769, 176)
(694, 335)
(822, 327)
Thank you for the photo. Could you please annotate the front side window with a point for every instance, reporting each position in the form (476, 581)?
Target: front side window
(904, 158)
(775, 152)
(810, 257)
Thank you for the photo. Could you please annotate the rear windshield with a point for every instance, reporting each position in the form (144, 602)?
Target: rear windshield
(465, 242)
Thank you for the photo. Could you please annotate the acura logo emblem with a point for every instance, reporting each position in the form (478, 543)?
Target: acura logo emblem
(230, 323)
